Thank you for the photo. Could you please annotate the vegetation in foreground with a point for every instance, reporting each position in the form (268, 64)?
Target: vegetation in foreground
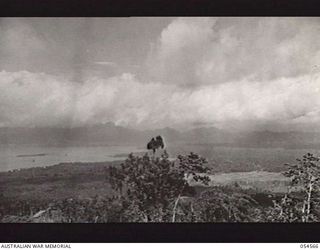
(157, 189)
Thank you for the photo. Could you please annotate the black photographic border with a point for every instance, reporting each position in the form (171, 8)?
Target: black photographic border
(152, 232)
(161, 232)
(126, 8)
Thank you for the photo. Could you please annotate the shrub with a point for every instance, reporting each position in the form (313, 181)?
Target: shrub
(225, 205)
(150, 188)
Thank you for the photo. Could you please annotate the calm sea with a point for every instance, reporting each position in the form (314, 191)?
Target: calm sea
(16, 157)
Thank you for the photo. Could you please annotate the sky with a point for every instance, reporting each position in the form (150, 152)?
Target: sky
(234, 73)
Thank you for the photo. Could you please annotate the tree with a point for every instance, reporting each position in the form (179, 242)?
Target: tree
(191, 165)
(155, 144)
(305, 175)
(285, 210)
(148, 187)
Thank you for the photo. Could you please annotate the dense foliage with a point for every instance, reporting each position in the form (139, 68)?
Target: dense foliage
(150, 187)
(225, 205)
(301, 203)
(93, 210)
(158, 189)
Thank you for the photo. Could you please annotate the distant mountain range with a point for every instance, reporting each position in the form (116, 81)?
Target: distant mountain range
(110, 134)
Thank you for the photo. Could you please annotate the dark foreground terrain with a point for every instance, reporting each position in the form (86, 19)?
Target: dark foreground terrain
(150, 189)
(83, 191)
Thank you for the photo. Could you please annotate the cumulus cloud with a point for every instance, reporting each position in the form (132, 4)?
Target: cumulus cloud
(195, 51)
(34, 99)
(38, 99)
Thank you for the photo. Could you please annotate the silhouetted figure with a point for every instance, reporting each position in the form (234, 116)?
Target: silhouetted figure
(154, 144)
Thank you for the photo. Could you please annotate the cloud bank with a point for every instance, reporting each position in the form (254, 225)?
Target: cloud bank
(29, 99)
(246, 72)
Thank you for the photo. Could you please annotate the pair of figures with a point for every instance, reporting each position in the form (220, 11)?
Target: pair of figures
(155, 144)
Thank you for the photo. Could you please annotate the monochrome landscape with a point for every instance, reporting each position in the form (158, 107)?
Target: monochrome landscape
(158, 119)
